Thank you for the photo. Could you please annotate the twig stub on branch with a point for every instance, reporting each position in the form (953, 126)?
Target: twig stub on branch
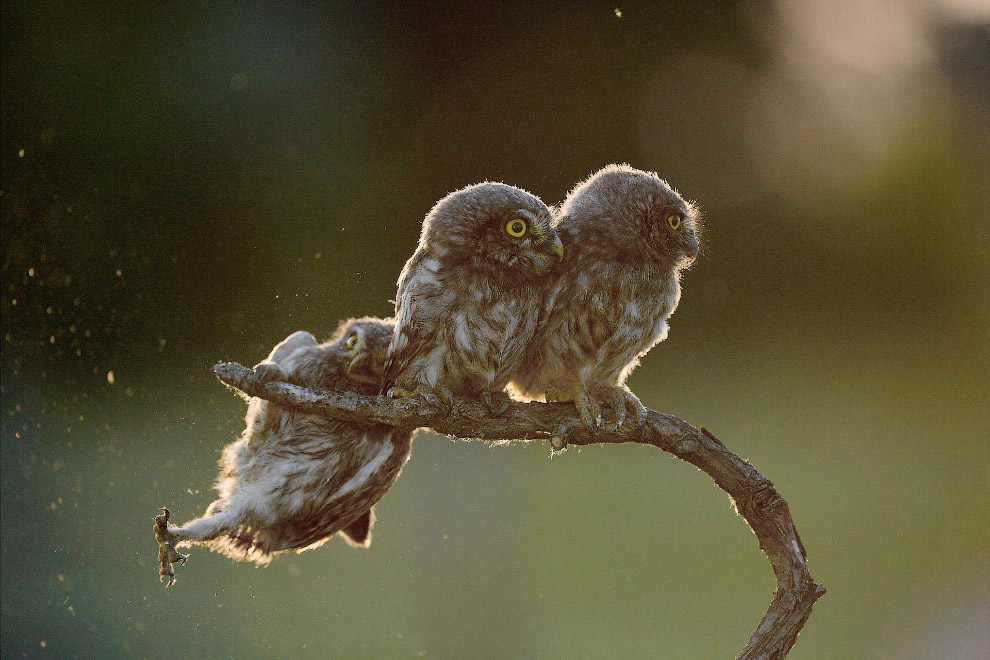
(754, 496)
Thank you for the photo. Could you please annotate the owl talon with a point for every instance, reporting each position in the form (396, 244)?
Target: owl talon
(267, 372)
(630, 400)
(402, 393)
(439, 398)
(590, 411)
(446, 399)
(621, 400)
(496, 402)
(167, 554)
(641, 412)
(619, 406)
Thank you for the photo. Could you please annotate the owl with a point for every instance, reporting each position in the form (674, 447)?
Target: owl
(469, 297)
(629, 237)
(293, 480)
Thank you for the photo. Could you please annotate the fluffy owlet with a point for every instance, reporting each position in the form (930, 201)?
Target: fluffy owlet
(629, 236)
(470, 296)
(294, 479)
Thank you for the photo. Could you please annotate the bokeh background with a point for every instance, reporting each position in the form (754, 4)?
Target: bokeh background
(186, 184)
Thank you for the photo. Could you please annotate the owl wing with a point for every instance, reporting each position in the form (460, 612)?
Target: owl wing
(414, 334)
(290, 344)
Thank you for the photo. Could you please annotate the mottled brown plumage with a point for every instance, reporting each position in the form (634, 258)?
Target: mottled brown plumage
(469, 297)
(629, 236)
(292, 480)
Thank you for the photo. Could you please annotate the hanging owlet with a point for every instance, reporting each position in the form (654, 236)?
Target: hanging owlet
(629, 236)
(294, 479)
(470, 296)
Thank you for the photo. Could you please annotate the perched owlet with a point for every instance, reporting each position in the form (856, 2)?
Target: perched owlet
(470, 296)
(294, 479)
(629, 236)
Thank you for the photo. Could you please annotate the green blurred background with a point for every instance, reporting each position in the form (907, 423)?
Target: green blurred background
(186, 185)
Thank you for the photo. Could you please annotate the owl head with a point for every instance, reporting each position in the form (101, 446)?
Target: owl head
(640, 209)
(360, 345)
(501, 231)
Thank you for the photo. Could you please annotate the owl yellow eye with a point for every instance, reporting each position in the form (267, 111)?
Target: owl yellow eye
(515, 228)
(674, 221)
(351, 342)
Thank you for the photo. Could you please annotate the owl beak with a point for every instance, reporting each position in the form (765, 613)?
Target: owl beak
(558, 247)
(360, 355)
(356, 360)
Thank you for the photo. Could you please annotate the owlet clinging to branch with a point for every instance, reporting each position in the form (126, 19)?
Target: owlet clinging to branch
(629, 236)
(294, 479)
(470, 296)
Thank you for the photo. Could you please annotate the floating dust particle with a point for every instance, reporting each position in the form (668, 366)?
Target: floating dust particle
(21, 154)
(239, 81)
(30, 272)
(618, 13)
(110, 377)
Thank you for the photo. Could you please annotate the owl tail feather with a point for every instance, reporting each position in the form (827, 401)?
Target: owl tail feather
(358, 533)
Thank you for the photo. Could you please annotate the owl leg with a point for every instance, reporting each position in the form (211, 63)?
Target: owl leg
(440, 398)
(620, 399)
(267, 372)
(220, 517)
(496, 402)
(167, 554)
(588, 408)
(587, 405)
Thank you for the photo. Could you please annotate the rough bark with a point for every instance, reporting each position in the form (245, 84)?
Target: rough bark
(755, 498)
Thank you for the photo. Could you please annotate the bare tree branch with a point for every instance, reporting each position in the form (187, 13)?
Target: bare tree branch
(754, 496)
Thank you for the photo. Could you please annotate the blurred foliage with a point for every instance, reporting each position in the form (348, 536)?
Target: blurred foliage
(183, 186)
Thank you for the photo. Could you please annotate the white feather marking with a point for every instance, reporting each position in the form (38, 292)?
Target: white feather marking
(426, 274)
(361, 476)
(462, 333)
(431, 373)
